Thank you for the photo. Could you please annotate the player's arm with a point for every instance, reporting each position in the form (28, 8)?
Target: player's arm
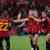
(38, 20)
(43, 20)
(21, 20)
(21, 24)
(19, 16)
(48, 18)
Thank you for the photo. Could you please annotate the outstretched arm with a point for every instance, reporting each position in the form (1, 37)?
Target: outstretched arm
(21, 20)
(38, 20)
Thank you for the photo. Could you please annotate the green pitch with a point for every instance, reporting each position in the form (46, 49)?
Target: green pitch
(23, 43)
(42, 43)
(20, 43)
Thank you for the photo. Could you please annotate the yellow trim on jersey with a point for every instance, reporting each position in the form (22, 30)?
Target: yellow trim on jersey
(3, 26)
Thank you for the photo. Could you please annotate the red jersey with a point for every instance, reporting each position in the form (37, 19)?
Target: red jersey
(4, 28)
(49, 25)
(32, 26)
(43, 25)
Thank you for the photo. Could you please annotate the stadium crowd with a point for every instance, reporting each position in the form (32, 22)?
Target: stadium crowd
(25, 18)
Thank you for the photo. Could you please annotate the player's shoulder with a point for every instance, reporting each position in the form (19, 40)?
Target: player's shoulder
(3, 20)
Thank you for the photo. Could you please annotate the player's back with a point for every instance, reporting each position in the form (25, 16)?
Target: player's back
(4, 28)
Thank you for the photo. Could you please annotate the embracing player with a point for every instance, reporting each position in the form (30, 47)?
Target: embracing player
(45, 28)
(48, 35)
(33, 28)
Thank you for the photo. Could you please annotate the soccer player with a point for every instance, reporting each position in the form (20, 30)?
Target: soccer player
(48, 36)
(4, 35)
(44, 23)
(33, 28)
(46, 29)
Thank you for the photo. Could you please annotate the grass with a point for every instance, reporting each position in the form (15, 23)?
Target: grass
(23, 43)
(42, 43)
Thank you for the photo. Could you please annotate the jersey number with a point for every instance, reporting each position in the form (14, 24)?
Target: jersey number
(3, 26)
